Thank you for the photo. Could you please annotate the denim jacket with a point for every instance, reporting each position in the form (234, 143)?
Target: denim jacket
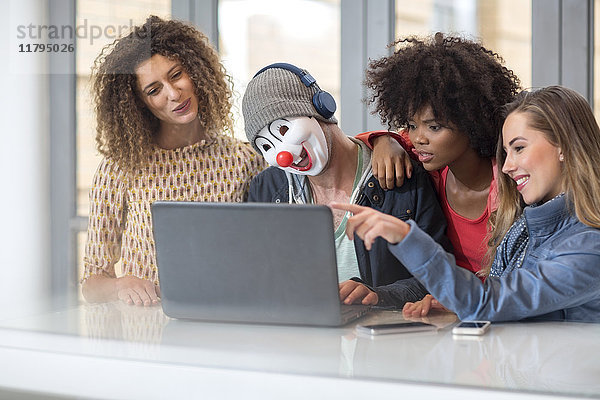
(559, 278)
(379, 269)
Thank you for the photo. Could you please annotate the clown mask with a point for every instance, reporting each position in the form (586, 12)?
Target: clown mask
(295, 144)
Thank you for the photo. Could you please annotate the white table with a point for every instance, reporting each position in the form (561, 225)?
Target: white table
(118, 351)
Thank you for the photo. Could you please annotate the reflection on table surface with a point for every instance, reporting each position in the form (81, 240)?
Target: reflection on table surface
(552, 357)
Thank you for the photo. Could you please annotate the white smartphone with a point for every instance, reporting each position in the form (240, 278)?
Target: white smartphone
(471, 328)
(402, 327)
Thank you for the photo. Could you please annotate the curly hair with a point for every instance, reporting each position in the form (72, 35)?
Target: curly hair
(464, 83)
(126, 128)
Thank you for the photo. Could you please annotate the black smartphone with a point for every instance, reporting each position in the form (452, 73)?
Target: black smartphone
(401, 327)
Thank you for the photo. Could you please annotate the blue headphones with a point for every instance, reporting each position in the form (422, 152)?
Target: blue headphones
(322, 101)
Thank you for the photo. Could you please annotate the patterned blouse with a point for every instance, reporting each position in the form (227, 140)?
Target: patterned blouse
(120, 226)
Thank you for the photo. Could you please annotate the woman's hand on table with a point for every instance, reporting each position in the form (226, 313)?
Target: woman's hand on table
(136, 291)
(422, 307)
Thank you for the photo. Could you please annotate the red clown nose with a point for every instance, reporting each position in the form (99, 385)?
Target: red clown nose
(285, 159)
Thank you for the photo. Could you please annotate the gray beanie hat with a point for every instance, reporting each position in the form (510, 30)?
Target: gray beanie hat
(274, 94)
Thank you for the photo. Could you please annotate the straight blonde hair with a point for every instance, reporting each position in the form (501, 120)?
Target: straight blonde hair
(567, 121)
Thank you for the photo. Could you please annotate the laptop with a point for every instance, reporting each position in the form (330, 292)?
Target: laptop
(249, 262)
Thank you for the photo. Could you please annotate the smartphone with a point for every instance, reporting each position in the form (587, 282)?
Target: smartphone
(402, 327)
(471, 328)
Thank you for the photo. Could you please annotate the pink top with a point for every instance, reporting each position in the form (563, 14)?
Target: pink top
(468, 236)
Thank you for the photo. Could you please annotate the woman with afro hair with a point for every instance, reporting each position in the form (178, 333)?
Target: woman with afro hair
(443, 94)
(163, 103)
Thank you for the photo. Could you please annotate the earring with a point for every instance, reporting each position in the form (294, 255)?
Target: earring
(561, 158)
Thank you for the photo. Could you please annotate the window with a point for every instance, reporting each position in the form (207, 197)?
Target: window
(504, 26)
(255, 33)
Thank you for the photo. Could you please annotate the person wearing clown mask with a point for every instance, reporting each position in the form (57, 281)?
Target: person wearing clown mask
(290, 121)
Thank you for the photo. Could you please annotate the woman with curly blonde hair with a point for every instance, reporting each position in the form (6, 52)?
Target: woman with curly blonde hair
(163, 102)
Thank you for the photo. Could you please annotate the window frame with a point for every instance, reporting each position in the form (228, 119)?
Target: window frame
(64, 222)
(560, 40)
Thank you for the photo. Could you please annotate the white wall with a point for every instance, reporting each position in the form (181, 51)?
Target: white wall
(24, 161)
